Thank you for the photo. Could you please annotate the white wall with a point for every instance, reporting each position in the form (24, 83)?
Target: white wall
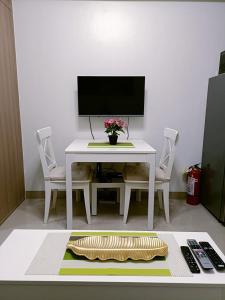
(175, 45)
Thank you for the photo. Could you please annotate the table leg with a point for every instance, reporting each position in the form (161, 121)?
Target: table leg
(151, 191)
(94, 200)
(69, 203)
(122, 193)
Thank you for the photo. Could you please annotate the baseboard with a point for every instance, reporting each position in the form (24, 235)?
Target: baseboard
(175, 195)
(62, 195)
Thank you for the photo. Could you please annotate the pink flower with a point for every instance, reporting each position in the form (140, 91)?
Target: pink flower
(114, 125)
(118, 122)
(125, 124)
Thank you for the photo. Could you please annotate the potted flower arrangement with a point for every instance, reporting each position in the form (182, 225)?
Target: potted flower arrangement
(113, 127)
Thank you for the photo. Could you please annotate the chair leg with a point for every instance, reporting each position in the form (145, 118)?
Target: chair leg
(54, 199)
(47, 200)
(127, 203)
(117, 195)
(138, 195)
(93, 200)
(160, 197)
(87, 203)
(77, 192)
(122, 200)
(166, 201)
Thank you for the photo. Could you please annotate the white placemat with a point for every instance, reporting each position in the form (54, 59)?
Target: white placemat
(49, 258)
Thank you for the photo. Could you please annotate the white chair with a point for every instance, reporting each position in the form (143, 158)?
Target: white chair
(55, 176)
(136, 177)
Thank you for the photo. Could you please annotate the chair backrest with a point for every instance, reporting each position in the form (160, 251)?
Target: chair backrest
(46, 152)
(168, 151)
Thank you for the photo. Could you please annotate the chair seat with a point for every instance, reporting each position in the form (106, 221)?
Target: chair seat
(141, 174)
(79, 174)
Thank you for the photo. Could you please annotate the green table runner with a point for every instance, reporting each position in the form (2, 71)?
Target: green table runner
(107, 145)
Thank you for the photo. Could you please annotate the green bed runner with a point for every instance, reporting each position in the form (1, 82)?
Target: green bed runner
(107, 145)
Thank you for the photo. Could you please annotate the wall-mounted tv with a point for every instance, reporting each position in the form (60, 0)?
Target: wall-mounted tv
(111, 95)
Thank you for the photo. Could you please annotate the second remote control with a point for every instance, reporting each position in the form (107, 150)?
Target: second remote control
(200, 255)
(213, 256)
(188, 256)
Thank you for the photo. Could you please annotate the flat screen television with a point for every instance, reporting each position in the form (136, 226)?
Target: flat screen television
(111, 95)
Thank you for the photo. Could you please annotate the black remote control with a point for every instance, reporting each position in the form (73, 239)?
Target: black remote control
(200, 254)
(188, 256)
(213, 256)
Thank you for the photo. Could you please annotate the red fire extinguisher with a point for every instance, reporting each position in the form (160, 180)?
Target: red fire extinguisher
(193, 185)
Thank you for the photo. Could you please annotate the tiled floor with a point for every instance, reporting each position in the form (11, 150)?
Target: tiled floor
(29, 215)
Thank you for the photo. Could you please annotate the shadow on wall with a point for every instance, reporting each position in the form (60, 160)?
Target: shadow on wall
(37, 182)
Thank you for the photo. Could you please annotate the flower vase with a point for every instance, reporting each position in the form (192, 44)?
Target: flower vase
(113, 139)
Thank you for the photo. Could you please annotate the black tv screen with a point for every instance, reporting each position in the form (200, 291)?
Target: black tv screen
(111, 95)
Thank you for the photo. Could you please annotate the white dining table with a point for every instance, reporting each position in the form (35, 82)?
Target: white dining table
(79, 151)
